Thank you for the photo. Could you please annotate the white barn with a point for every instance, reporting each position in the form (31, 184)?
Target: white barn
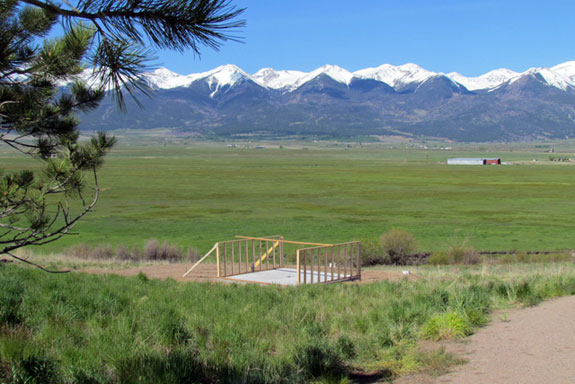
(474, 161)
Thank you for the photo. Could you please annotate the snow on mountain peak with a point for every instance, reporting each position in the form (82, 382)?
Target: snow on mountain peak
(489, 80)
(270, 78)
(164, 72)
(555, 79)
(335, 72)
(567, 70)
(219, 77)
(163, 78)
(226, 75)
(561, 76)
(552, 77)
(396, 76)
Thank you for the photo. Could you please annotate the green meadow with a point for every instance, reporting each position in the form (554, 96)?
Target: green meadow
(79, 328)
(194, 194)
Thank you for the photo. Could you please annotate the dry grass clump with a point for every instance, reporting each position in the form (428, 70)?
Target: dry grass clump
(153, 251)
(193, 254)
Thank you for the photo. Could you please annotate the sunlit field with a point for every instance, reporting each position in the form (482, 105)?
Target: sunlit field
(197, 194)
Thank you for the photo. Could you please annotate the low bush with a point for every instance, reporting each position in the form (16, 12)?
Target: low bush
(170, 252)
(463, 254)
(398, 245)
(165, 252)
(193, 254)
(372, 252)
(439, 258)
(151, 249)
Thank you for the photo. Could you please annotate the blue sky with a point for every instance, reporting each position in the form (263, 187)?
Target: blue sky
(466, 36)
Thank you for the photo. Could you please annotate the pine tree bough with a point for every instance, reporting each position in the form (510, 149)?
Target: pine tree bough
(38, 119)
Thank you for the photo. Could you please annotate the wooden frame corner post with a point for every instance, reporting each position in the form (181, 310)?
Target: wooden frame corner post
(218, 259)
(359, 260)
(298, 268)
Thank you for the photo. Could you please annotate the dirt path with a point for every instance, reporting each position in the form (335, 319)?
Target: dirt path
(528, 346)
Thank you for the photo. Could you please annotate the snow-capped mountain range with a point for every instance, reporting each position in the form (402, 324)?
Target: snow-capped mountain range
(560, 76)
(330, 101)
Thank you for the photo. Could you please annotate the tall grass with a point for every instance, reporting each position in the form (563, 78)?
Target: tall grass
(110, 329)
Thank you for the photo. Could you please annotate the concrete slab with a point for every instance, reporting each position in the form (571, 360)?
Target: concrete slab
(284, 276)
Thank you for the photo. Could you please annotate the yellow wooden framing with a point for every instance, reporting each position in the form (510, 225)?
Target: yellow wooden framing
(267, 253)
(355, 253)
(202, 259)
(283, 241)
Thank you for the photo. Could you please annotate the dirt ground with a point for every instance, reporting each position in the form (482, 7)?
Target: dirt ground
(528, 346)
(207, 272)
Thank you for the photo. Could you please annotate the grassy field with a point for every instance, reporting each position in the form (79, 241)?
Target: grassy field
(79, 328)
(195, 194)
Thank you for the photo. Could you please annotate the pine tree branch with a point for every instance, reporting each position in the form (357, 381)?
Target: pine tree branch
(44, 237)
(177, 26)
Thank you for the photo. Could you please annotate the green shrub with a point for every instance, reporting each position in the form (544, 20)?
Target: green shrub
(398, 245)
(372, 252)
(439, 258)
(446, 326)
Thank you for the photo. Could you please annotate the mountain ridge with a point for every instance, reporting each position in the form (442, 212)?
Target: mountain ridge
(330, 101)
(561, 76)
